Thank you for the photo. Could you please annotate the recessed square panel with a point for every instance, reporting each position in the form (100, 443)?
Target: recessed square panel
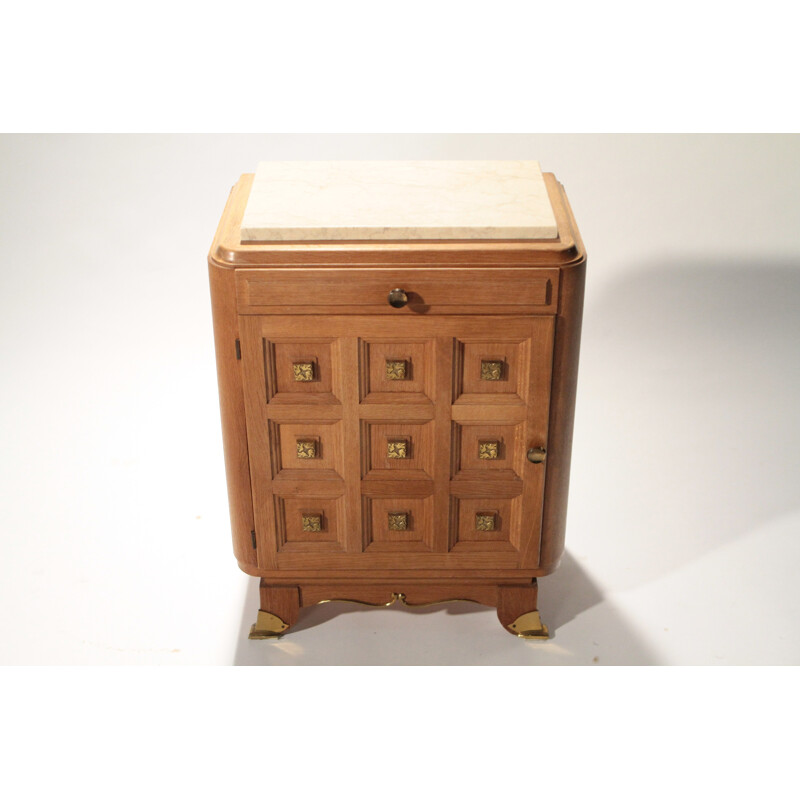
(485, 524)
(398, 524)
(396, 371)
(487, 450)
(306, 449)
(301, 371)
(491, 371)
(397, 449)
(309, 524)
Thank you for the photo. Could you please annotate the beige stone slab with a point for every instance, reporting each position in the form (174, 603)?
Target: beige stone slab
(390, 200)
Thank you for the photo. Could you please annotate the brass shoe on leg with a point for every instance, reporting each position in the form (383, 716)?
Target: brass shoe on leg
(529, 626)
(267, 626)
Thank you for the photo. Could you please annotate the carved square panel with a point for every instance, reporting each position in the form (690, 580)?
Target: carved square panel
(487, 450)
(309, 523)
(301, 371)
(397, 449)
(485, 524)
(306, 449)
(396, 371)
(491, 371)
(398, 524)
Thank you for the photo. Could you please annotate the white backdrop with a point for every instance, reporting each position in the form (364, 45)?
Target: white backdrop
(684, 507)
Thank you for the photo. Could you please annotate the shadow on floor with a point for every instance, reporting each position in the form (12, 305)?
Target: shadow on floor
(688, 391)
(566, 594)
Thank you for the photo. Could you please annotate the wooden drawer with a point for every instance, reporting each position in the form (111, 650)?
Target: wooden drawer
(439, 291)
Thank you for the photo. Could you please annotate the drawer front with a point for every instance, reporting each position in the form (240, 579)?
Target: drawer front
(441, 291)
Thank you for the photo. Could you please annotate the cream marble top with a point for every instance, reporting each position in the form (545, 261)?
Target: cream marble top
(346, 200)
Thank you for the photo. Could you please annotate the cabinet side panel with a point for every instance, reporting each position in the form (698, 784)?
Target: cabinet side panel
(231, 401)
(562, 414)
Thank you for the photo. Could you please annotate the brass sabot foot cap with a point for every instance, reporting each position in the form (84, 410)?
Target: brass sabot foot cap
(529, 626)
(267, 626)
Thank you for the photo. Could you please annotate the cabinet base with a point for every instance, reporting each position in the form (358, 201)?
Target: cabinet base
(515, 604)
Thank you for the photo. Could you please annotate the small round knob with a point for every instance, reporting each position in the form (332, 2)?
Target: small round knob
(397, 298)
(536, 455)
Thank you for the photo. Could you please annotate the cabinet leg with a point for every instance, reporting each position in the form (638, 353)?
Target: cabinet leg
(517, 612)
(280, 607)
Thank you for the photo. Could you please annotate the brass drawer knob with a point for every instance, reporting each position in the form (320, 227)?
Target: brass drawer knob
(397, 298)
(536, 455)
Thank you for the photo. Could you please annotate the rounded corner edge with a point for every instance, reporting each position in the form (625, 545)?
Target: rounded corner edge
(249, 569)
(222, 258)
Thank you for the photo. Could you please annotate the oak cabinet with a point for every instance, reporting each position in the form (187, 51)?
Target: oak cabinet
(397, 414)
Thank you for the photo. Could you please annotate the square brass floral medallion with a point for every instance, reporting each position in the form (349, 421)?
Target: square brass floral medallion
(395, 370)
(491, 370)
(397, 449)
(312, 523)
(488, 450)
(303, 371)
(484, 521)
(306, 448)
(398, 521)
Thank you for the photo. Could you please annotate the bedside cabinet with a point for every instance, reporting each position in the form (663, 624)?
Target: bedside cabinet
(397, 352)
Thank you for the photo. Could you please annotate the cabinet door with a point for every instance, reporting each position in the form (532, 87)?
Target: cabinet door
(384, 443)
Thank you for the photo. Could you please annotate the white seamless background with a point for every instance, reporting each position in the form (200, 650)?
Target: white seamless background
(684, 509)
